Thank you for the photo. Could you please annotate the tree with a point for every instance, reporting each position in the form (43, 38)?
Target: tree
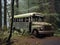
(57, 6)
(12, 14)
(0, 14)
(5, 12)
(17, 4)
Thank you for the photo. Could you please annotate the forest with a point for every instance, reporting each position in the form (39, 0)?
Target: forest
(9, 8)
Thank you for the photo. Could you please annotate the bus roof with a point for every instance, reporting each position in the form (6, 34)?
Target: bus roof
(25, 15)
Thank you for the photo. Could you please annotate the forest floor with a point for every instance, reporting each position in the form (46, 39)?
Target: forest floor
(18, 39)
(31, 40)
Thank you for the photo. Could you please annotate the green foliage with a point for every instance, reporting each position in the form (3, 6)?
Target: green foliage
(33, 6)
(5, 28)
(42, 6)
(57, 32)
(53, 19)
(57, 6)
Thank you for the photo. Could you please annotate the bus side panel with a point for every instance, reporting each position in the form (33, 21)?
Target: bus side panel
(21, 25)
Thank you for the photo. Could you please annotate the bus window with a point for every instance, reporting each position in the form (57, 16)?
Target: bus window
(20, 20)
(17, 19)
(38, 18)
(14, 20)
(35, 18)
(23, 19)
(42, 19)
(27, 19)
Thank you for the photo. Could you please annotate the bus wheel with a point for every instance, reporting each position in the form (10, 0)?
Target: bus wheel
(35, 32)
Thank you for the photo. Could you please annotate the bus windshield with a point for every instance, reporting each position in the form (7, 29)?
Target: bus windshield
(38, 18)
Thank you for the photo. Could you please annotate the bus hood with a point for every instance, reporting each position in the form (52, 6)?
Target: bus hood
(40, 23)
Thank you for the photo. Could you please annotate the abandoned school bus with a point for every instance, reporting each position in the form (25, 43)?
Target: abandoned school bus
(34, 23)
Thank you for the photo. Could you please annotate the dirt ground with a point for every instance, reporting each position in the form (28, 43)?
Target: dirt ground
(30, 40)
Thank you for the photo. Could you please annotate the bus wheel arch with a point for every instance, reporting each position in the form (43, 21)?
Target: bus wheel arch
(35, 32)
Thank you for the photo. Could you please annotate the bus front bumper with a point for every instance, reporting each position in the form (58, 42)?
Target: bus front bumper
(46, 32)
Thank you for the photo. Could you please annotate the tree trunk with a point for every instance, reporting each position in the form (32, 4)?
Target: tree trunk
(0, 15)
(5, 12)
(17, 4)
(12, 14)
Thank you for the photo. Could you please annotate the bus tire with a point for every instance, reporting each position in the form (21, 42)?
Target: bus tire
(35, 32)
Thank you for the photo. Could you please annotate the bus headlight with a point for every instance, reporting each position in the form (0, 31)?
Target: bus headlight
(41, 29)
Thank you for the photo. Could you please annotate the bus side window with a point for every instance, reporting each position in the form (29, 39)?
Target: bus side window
(27, 19)
(19, 19)
(35, 18)
(23, 19)
(42, 19)
(16, 19)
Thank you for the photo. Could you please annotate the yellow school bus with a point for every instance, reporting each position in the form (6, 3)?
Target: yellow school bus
(33, 23)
